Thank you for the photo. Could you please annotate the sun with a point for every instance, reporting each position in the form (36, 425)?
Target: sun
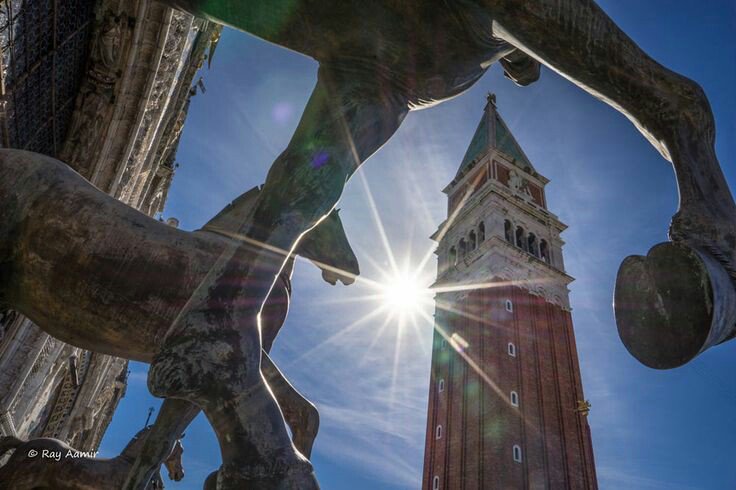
(402, 294)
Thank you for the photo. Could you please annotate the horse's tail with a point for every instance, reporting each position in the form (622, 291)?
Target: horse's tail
(9, 442)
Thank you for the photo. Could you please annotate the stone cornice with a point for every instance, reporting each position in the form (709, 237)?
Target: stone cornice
(506, 196)
(497, 259)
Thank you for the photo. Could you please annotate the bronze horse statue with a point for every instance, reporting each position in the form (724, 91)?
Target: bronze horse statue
(147, 306)
(50, 463)
(378, 60)
(179, 270)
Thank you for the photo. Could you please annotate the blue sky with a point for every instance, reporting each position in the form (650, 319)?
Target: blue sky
(651, 429)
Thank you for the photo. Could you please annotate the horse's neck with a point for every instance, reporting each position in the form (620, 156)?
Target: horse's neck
(176, 452)
(134, 447)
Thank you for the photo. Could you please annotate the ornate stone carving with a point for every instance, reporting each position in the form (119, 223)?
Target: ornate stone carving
(170, 66)
(65, 399)
(519, 185)
(6, 424)
(105, 55)
(97, 94)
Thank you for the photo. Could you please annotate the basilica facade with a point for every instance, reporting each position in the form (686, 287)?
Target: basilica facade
(103, 85)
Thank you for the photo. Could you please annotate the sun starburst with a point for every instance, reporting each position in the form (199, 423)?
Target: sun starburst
(403, 294)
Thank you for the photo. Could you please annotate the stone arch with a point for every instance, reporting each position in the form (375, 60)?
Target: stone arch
(544, 251)
(532, 246)
(520, 238)
(508, 231)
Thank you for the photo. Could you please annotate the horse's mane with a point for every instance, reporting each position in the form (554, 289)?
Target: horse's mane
(136, 442)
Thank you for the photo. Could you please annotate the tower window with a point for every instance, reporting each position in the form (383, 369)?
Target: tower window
(436, 483)
(512, 349)
(514, 399)
(453, 256)
(472, 241)
(481, 232)
(520, 242)
(517, 453)
(532, 245)
(463, 247)
(438, 432)
(508, 231)
(443, 344)
(441, 385)
(509, 306)
(544, 251)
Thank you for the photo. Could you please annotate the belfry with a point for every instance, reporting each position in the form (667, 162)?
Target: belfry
(506, 404)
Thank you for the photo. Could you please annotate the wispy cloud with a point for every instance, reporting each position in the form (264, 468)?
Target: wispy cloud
(615, 477)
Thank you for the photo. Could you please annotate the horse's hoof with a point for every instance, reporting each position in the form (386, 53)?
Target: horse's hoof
(673, 304)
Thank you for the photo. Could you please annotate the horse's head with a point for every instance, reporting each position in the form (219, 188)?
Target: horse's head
(325, 245)
(328, 248)
(173, 462)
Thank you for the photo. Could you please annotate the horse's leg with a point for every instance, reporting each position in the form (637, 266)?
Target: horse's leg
(300, 414)
(211, 354)
(173, 417)
(211, 357)
(679, 300)
(176, 415)
(579, 41)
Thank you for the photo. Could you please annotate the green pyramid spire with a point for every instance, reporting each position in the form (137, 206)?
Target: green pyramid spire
(493, 133)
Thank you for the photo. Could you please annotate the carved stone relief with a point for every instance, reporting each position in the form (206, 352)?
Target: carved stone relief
(95, 101)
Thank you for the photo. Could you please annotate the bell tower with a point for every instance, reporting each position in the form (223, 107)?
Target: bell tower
(506, 404)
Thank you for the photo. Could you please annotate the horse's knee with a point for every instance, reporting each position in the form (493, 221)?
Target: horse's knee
(192, 366)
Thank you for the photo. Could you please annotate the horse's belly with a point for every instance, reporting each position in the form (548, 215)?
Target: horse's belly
(425, 51)
(94, 272)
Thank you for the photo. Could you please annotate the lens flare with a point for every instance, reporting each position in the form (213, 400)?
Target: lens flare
(402, 294)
